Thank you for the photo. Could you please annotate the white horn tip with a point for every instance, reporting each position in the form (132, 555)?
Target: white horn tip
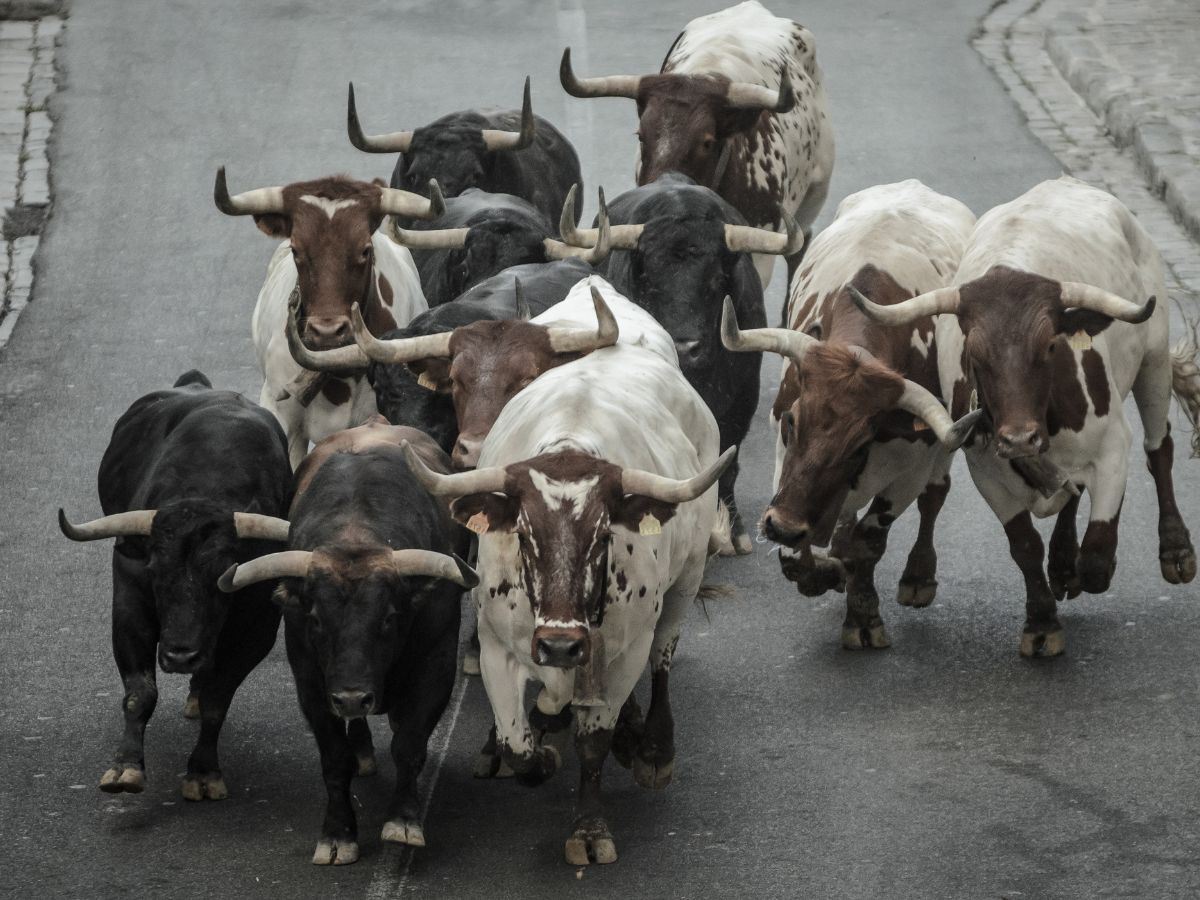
(961, 430)
(225, 582)
(469, 578)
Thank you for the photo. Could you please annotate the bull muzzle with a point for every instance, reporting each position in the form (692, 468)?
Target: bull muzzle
(180, 659)
(466, 452)
(561, 646)
(352, 703)
(782, 527)
(1019, 442)
(327, 332)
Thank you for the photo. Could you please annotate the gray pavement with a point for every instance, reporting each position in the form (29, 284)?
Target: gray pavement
(945, 767)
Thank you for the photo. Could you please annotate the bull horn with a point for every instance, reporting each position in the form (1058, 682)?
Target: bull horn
(933, 303)
(929, 409)
(396, 142)
(784, 341)
(395, 202)
(259, 527)
(433, 239)
(397, 350)
(584, 340)
(673, 490)
(747, 239)
(124, 524)
(349, 360)
(1087, 296)
(620, 237)
(524, 313)
(495, 139)
(742, 95)
(285, 564)
(594, 254)
(611, 86)
(478, 481)
(428, 564)
(259, 202)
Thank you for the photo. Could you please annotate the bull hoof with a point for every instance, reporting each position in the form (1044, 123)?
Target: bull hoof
(1095, 572)
(191, 706)
(589, 844)
(367, 765)
(335, 852)
(471, 662)
(123, 778)
(872, 637)
(1043, 643)
(826, 574)
(653, 776)
(1178, 566)
(204, 786)
(741, 545)
(1064, 583)
(543, 763)
(401, 831)
(916, 592)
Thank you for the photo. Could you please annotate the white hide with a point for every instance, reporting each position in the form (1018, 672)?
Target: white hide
(747, 43)
(631, 406)
(321, 418)
(1069, 231)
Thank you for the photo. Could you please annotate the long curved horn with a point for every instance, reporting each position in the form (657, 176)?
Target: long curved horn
(259, 202)
(754, 96)
(524, 313)
(285, 564)
(397, 350)
(495, 139)
(395, 142)
(612, 86)
(933, 303)
(1087, 296)
(263, 528)
(784, 341)
(596, 253)
(584, 340)
(134, 522)
(747, 239)
(349, 359)
(478, 481)
(928, 408)
(620, 237)
(433, 239)
(672, 490)
(395, 202)
(428, 564)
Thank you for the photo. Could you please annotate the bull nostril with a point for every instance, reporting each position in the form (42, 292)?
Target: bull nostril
(180, 659)
(353, 703)
(575, 649)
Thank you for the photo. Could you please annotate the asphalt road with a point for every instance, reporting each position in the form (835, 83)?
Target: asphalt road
(945, 767)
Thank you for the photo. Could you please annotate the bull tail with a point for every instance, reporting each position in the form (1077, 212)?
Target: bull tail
(192, 376)
(1185, 380)
(719, 539)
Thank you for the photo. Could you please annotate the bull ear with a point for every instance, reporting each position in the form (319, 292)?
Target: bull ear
(745, 289)
(275, 226)
(484, 513)
(432, 374)
(731, 121)
(814, 329)
(284, 597)
(641, 514)
(132, 547)
(1076, 319)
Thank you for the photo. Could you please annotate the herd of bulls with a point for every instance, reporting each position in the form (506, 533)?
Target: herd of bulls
(562, 405)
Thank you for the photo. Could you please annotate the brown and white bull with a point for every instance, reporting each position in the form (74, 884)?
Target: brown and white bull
(333, 255)
(595, 503)
(1051, 321)
(858, 419)
(739, 107)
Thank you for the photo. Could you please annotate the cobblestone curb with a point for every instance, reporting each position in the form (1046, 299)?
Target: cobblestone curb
(27, 80)
(1014, 38)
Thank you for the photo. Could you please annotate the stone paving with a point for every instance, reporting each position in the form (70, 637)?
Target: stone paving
(27, 79)
(1131, 64)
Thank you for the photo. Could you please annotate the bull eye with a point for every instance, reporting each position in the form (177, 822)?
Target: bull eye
(786, 423)
(368, 252)
(314, 623)
(389, 623)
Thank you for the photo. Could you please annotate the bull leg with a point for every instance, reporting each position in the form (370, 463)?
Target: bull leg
(733, 428)
(863, 627)
(813, 575)
(1043, 633)
(191, 706)
(135, 638)
(246, 638)
(358, 733)
(918, 584)
(1176, 556)
(420, 695)
(504, 679)
(338, 843)
(1061, 565)
(1098, 549)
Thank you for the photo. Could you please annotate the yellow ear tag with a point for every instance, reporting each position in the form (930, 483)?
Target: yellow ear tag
(1080, 340)
(479, 523)
(649, 525)
(919, 424)
(426, 382)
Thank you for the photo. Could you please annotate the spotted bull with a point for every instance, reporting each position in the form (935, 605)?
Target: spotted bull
(595, 505)
(370, 591)
(1052, 319)
(739, 106)
(677, 251)
(332, 256)
(193, 481)
(508, 152)
(857, 419)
